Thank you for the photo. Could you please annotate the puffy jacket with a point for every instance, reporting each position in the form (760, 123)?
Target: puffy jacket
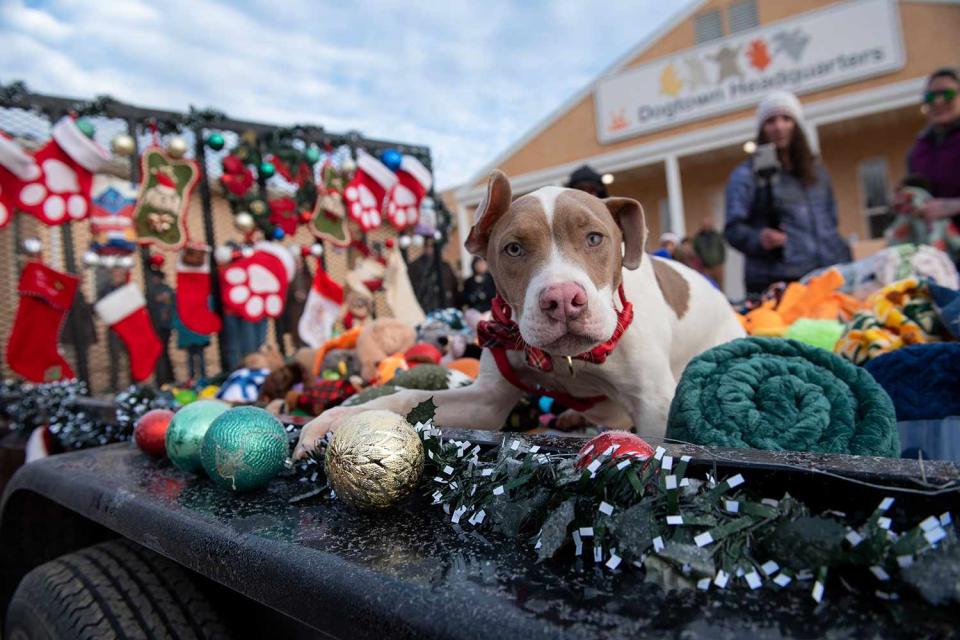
(808, 216)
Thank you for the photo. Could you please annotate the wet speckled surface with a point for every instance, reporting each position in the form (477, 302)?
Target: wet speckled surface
(410, 573)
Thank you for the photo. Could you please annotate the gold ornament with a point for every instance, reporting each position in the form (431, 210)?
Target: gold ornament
(177, 148)
(258, 207)
(375, 459)
(244, 222)
(124, 145)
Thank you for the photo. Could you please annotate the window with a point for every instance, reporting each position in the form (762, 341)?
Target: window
(742, 15)
(664, 218)
(875, 191)
(708, 26)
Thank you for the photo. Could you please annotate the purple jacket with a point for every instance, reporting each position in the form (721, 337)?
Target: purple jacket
(936, 157)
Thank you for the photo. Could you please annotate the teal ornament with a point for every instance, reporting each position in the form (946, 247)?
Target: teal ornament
(215, 141)
(267, 169)
(86, 127)
(244, 449)
(186, 431)
(392, 158)
(313, 155)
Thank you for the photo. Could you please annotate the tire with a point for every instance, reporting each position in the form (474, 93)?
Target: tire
(115, 589)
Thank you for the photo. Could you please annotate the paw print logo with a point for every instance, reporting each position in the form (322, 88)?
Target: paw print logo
(55, 191)
(256, 286)
(402, 207)
(364, 207)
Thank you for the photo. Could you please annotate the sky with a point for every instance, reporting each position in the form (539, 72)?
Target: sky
(467, 79)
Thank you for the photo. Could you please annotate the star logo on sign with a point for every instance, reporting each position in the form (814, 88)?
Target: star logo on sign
(791, 43)
(726, 59)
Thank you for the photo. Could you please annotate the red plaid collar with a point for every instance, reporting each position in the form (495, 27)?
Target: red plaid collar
(503, 333)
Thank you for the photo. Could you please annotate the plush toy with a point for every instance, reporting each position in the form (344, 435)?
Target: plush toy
(468, 366)
(423, 353)
(378, 340)
(818, 299)
(357, 310)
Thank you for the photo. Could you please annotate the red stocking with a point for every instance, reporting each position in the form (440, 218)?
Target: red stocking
(403, 200)
(193, 291)
(125, 310)
(45, 297)
(368, 188)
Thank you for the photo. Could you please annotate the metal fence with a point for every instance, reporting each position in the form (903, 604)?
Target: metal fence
(95, 353)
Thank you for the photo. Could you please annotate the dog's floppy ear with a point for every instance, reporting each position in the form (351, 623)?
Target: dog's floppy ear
(629, 216)
(494, 204)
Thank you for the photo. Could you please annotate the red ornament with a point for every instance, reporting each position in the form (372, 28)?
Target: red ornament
(150, 432)
(627, 444)
(157, 260)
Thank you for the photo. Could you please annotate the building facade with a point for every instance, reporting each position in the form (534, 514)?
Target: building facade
(671, 119)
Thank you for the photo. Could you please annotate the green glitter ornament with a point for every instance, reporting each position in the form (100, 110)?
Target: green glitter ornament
(215, 141)
(86, 127)
(244, 449)
(186, 431)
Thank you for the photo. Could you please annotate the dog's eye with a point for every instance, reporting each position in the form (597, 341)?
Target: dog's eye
(594, 239)
(513, 249)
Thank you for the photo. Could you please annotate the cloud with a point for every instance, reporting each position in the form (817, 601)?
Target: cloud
(465, 78)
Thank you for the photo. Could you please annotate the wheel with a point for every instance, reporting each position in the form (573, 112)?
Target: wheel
(115, 589)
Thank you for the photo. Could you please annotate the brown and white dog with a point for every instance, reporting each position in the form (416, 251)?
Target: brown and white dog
(558, 257)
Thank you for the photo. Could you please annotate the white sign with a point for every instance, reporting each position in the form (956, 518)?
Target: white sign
(841, 44)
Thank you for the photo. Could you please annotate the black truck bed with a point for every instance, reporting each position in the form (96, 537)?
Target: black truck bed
(411, 573)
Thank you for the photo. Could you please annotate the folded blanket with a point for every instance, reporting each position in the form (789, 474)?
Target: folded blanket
(899, 314)
(922, 380)
(771, 393)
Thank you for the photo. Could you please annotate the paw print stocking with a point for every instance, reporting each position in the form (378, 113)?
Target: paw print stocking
(56, 188)
(367, 190)
(256, 286)
(403, 200)
(16, 167)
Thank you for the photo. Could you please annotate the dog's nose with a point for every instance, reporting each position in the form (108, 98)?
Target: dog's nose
(563, 302)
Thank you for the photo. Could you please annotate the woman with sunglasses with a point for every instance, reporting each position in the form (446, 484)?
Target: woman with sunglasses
(936, 154)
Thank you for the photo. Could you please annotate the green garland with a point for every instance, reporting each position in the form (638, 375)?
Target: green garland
(704, 533)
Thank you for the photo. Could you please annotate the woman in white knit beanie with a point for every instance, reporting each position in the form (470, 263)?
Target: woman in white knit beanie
(788, 228)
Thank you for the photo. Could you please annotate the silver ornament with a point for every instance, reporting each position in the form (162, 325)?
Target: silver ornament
(176, 147)
(124, 145)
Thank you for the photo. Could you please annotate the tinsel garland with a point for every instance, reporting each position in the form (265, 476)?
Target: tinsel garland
(27, 406)
(73, 424)
(704, 533)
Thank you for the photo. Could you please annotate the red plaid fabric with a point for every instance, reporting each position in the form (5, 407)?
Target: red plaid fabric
(503, 333)
(323, 395)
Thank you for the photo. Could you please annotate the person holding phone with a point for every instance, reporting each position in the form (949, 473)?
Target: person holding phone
(780, 209)
(935, 156)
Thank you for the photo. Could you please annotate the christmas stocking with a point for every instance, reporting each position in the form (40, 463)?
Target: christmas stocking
(193, 291)
(125, 310)
(45, 297)
(403, 200)
(16, 167)
(256, 286)
(368, 188)
(322, 309)
(57, 188)
(399, 292)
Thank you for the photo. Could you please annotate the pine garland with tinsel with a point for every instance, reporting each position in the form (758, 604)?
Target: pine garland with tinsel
(704, 533)
(76, 427)
(73, 423)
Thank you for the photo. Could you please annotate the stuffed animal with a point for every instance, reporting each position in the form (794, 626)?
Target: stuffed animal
(380, 339)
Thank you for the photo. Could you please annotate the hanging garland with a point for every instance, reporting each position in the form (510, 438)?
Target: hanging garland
(74, 425)
(706, 533)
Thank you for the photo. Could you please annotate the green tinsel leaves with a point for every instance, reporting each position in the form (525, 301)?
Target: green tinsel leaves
(423, 412)
(555, 527)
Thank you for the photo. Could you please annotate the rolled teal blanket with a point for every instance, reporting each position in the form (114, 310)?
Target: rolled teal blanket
(782, 395)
